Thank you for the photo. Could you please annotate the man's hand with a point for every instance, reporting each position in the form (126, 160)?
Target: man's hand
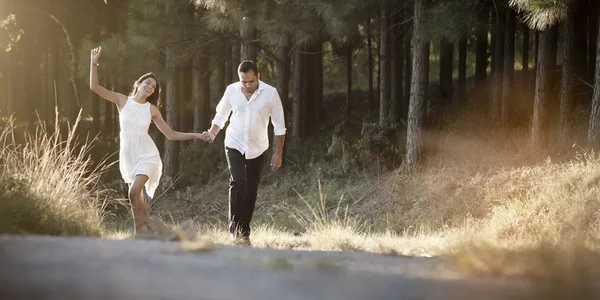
(276, 161)
(202, 136)
(208, 136)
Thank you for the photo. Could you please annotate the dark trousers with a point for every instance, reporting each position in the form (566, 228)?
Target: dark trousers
(243, 186)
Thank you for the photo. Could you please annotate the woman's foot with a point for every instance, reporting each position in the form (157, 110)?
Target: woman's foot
(149, 223)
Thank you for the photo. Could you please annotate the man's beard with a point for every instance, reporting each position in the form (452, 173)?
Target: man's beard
(248, 90)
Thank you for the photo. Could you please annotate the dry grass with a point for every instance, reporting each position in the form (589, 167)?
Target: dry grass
(47, 186)
(486, 199)
(494, 210)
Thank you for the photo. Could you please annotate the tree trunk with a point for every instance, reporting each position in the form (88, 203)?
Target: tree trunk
(172, 106)
(184, 95)
(537, 49)
(370, 50)
(200, 80)
(407, 73)
(594, 126)
(593, 36)
(462, 70)
(235, 60)
(493, 34)
(396, 74)
(108, 113)
(419, 82)
(248, 34)
(525, 50)
(349, 51)
(553, 51)
(282, 72)
(222, 78)
(312, 110)
(384, 65)
(580, 20)
(307, 104)
(229, 68)
(542, 89)
(298, 97)
(446, 67)
(481, 54)
(509, 65)
(498, 65)
(318, 84)
(567, 82)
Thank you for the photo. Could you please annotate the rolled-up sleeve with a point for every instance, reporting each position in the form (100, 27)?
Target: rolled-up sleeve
(223, 110)
(277, 118)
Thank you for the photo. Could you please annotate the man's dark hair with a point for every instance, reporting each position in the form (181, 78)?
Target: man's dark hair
(246, 66)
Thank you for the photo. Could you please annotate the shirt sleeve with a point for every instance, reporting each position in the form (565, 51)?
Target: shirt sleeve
(223, 110)
(277, 118)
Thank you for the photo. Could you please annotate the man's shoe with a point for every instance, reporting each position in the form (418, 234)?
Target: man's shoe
(242, 241)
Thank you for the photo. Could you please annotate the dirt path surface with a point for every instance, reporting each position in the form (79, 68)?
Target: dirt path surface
(36, 267)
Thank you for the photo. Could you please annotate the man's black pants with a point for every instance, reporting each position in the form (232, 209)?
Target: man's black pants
(243, 186)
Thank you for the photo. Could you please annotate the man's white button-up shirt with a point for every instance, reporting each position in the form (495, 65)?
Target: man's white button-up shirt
(248, 125)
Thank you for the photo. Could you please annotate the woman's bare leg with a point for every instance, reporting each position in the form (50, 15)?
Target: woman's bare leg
(137, 202)
(147, 220)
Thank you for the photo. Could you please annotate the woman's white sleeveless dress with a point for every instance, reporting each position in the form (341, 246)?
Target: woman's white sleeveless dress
(138, 153)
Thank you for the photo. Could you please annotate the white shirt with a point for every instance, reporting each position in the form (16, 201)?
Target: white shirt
(248, 126)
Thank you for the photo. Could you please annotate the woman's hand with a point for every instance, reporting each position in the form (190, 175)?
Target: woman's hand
(95, 54)
(203, 136)
(209, 136)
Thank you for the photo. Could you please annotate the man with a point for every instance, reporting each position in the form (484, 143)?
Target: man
(246, 140)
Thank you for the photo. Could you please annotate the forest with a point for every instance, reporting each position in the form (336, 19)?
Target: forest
(417, 117)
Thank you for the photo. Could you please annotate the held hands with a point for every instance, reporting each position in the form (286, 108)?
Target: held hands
(276, 160)
(95, 54)
(210, 137)
(205, 136)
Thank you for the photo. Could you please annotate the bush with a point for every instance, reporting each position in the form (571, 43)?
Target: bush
(46, 185)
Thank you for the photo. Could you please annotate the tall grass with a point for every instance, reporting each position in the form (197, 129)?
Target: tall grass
(47, 185)
(482, 196)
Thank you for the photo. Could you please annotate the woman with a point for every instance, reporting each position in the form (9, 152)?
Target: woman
(139, 160)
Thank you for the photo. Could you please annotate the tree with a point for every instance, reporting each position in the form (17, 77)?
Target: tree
(509, 65)
(288, 26)
(568, 79)
(544, 67)
(342, 19)
(594, 125)
(481, 34)
(419, 82)
(542, 14)
(384, 62)
(498, 62)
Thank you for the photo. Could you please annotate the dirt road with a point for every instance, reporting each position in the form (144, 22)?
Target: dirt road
(36, 267)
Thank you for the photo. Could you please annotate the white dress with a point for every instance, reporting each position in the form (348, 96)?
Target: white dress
(138, 153)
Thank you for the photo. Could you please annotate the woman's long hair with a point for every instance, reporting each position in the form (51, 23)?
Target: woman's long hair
(154, 98)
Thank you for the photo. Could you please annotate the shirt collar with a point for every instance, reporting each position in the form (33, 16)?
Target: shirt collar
(260, 88)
